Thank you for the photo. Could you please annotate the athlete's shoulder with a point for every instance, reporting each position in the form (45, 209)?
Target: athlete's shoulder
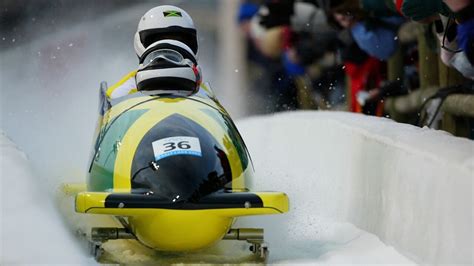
(123, 87)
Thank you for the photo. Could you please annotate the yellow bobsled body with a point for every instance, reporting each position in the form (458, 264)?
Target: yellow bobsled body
(176, 168)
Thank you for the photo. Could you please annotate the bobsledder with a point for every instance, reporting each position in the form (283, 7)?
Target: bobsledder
(169, 164)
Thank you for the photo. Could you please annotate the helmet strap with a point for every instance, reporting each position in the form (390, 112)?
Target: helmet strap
(198, 75)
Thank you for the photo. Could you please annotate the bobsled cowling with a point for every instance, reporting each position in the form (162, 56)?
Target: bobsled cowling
(176, 167)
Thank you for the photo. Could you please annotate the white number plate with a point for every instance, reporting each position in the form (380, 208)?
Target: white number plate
(176, 146)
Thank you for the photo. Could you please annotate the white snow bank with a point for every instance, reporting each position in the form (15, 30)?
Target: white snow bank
(31, 230)
(411, 187)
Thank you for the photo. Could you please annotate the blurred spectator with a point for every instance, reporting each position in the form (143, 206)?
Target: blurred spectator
(264, 47)
(464, 14)
(375, 35)
(452, 54)
(306, 43)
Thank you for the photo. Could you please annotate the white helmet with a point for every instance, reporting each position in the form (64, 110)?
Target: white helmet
(168, 66)
(165, 22)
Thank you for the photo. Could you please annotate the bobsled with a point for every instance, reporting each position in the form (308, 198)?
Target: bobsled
(174, 171)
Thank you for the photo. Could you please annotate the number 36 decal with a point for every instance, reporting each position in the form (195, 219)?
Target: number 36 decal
(176, 146)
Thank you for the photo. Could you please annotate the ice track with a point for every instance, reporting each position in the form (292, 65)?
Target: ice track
(49, 108)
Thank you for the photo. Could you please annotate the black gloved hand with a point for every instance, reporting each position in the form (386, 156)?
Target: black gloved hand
(276, 13)
(422, 9)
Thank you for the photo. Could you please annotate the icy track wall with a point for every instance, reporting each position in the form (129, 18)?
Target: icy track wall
(31, 231)
(411, 187)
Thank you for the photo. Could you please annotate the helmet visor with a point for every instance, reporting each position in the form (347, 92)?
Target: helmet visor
(163, 54)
